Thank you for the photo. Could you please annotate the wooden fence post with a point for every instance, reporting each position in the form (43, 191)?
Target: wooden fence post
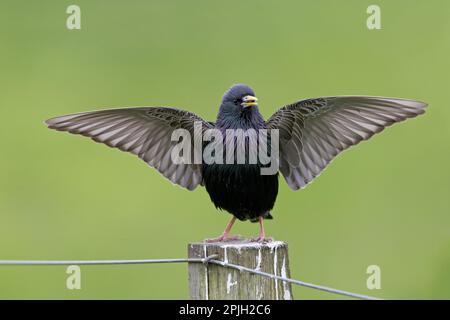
(212, 282)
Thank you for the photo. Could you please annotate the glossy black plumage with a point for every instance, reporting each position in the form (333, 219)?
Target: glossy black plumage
(241, 190)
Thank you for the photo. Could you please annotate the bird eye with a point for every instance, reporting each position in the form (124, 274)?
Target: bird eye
(237, 101)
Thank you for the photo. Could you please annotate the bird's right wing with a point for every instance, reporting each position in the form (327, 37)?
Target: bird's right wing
(314, 131)
(143, 131)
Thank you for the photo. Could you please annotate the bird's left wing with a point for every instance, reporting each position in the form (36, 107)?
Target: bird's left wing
(143, 131)
(314, 131)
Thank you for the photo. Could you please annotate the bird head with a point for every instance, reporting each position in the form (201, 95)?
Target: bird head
(239, 97)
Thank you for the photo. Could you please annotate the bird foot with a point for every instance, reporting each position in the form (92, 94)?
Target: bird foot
(262, 239)
(224, 238)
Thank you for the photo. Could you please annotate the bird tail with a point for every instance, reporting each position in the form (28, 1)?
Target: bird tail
(266, 215)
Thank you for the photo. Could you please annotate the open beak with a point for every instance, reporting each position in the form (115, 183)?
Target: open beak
(249, 101)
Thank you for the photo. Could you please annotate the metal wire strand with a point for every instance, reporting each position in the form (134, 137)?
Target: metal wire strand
(293, 281)
(91, 262)
(210, 259)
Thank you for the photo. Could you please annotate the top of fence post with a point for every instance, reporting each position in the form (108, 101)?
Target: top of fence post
(212, 281)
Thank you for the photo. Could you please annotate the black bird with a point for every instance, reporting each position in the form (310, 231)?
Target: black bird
(311, 133)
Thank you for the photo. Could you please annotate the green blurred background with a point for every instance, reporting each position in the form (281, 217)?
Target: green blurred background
(386, 202)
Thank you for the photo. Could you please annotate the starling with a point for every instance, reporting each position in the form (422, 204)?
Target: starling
(311, 133)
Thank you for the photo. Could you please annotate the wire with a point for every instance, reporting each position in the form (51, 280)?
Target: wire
(91, 262)
(293, 281)
(209, 259)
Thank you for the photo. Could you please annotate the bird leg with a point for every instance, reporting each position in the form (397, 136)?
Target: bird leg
(226, 233)
(262, 233)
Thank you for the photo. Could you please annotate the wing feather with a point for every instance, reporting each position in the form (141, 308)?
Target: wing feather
(143, 131)
(314, 131)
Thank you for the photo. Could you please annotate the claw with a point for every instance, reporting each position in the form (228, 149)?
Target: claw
(262, 239)
(223, 238)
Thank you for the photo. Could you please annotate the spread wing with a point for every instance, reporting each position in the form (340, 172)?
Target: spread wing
(143, 131)
(314, 131)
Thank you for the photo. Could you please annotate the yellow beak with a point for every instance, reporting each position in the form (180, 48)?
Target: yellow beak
(249, 101)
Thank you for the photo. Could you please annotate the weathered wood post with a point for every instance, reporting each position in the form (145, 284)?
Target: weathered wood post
(213, 282)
